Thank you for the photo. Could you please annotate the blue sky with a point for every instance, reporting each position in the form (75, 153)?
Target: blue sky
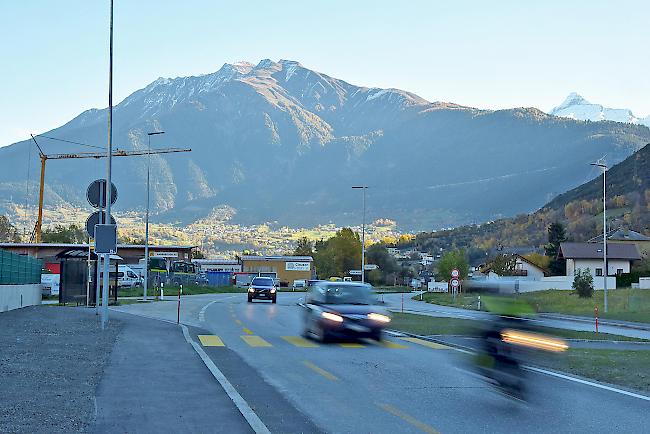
(487, 54)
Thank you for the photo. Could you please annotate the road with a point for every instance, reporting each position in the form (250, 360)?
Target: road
(363, 387)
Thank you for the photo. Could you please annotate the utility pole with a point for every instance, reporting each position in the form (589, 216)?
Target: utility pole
(109, 192)
(363, 234)
(605, 273)
(146, 224)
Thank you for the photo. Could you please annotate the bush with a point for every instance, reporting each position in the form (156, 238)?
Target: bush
(583, 283)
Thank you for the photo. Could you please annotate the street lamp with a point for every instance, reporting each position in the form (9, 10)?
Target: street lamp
(363, 233)
(605, 273)
(146, 219)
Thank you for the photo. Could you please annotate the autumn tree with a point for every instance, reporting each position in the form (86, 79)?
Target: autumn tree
(450, 260)
(504, 265)
(339, 254)
(8, 232)
(304, 247)
(72, 234)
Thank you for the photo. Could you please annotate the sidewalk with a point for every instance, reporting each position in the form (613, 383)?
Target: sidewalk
(61, 373)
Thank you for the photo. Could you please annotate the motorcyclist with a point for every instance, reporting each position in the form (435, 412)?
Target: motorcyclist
(498, 360)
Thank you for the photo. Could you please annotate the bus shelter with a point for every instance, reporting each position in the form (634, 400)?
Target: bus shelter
(79, 277)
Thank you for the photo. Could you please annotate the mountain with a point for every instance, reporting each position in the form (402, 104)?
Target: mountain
(280, 142)
(576, 107)
(579, 210)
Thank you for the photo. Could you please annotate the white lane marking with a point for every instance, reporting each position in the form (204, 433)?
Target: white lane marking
(202, 312)
(253, 420)
(589, 383)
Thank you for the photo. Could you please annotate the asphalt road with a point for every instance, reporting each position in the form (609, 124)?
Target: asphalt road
(363, 387)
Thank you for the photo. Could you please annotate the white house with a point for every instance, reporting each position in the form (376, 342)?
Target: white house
(590, 256)
(524, 270)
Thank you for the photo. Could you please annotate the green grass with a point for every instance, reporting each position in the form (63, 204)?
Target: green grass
(173, 290)
(624, 368)
(623, 304)
(428, 325)
(392, 289)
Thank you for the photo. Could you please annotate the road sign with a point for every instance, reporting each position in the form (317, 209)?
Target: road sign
(455, 283)
(455, 272)
(370, 267)
(93, 220)
(96, 193)
(106, 239)
(354, 272)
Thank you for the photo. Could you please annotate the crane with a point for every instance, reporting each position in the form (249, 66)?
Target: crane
(36, 234)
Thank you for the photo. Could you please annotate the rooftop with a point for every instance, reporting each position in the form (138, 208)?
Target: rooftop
(595, 251)
(276, 258)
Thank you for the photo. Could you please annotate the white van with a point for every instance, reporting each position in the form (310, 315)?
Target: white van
(299, 284)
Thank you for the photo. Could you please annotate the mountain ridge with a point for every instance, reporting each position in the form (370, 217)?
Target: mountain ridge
(273, 138)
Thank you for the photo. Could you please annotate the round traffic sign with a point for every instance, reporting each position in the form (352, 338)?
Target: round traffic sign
(455, 272)
(455, 282)
(93, 220)
(96, 193)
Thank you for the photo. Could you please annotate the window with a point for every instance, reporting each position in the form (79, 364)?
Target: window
(599, 271)
(619, 271)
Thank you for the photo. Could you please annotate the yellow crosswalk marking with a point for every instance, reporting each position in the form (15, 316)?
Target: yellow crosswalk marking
(391, 344)
(433, 345)
(320, 371)
(248, 331)
(255, 341)
(351, 345)
(211, 341)
(300, 341)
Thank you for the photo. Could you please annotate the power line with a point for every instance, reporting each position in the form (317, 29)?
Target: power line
(70, 141)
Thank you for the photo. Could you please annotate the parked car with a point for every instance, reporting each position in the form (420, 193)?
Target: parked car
(343, 309)
(262, 288)
(127, 278)
(298, 284)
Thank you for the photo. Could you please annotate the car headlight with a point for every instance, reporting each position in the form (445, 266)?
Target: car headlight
(378, 317)
(272, 290)
(332, 316)
(251, 290)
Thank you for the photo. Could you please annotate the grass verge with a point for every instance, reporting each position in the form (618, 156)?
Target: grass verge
(624, 304)
(629, 369)
(428, 325)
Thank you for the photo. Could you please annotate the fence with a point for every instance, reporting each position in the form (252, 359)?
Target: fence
(19, 269)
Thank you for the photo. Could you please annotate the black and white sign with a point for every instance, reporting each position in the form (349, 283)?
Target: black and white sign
(354, 272)
(96, 193)
(93, 220)
(370, 267)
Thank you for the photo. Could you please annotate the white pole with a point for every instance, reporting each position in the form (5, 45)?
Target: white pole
(363, 239)
(605, 273)
(107, 257)
(146, 225)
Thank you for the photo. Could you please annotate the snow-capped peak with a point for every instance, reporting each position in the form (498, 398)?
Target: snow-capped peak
(577, 107)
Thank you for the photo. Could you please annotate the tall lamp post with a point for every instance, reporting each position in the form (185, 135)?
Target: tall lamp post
(146, 219)
(605, 273)
(363, 234)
